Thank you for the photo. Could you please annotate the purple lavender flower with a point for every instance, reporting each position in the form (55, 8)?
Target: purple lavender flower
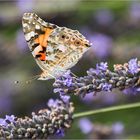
(60, 133)
(47, 122)
(92, 70)
(118, 128)
(85, 125)
(59, 90)
(21, 42)
(132, 90)
(67, 80)
(25, 5)
(3, 122)
(134, 11)
(5, 96)
(67, 74)
(10, 118)
(102, 66)
(104, 17)
(5, 103)
(102, 44)
(99, 67)
(109, 98)
(50, 103)
(101, 131)
(65, 98)
(89, 98)
(106, 87)
(101, 79)
(53, 103)
(133, 66)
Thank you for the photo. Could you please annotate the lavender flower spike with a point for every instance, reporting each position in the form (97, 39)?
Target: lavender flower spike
(101, 79)
(46, 123)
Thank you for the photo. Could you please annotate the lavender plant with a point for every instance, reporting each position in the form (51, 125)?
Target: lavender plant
(101, 79)
(47, 122)
(55, 119)
(100, 131)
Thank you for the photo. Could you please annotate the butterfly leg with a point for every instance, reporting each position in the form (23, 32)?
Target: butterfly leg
(51, 76)
(74, 75)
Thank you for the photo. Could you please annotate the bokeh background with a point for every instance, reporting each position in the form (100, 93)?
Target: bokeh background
(112, 26)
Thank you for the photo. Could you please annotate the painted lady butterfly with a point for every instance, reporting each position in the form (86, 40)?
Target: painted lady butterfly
(54, 48)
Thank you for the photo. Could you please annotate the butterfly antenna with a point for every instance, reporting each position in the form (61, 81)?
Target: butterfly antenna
(27, 81)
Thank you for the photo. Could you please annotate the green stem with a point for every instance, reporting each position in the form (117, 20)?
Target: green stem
(114, 108)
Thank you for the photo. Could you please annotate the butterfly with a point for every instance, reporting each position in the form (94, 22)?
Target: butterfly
(55, 49)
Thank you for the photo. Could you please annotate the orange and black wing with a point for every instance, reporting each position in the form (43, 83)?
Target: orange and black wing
(36, 33)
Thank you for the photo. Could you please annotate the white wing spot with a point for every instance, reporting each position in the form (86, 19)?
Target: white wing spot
(32, 33)
(49, 49)
(62, 48)
(51, 57)
(29, 35)
(25, 25)
(37, 26)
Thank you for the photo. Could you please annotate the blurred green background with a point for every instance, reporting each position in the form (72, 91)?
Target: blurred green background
(112, 26)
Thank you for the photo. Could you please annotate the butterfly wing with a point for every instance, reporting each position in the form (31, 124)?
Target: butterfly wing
(37, 33)
(54, 48)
